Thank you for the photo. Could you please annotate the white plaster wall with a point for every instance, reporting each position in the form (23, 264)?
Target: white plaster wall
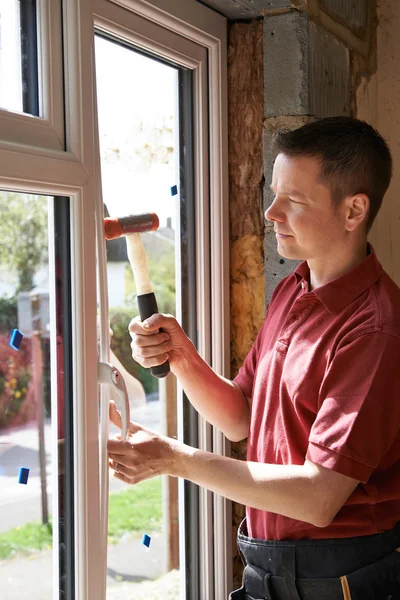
(378, 102)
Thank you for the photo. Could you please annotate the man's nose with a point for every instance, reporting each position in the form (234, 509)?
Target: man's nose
(273, 213)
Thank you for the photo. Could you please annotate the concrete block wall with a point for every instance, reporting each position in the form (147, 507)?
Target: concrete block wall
(312, 60)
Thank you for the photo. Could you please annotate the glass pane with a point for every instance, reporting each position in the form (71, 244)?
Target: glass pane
(138, 121)
(32, 437)
(18, 56)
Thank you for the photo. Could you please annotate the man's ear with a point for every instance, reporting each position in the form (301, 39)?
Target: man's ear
(357, 209)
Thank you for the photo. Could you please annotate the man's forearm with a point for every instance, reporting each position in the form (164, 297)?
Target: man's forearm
(289, 490)
(217, 399)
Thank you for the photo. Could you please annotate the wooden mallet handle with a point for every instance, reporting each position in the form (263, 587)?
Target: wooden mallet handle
(145, 296)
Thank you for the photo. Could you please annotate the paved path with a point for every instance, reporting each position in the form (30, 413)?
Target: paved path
(129, 567)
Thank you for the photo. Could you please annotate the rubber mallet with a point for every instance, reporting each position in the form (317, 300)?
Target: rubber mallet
(131, 227)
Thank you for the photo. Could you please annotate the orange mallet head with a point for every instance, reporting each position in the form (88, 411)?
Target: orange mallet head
(114, 228)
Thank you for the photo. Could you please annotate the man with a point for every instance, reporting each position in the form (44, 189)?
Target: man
(318, 394)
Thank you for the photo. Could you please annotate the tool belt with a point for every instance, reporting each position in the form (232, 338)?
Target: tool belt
(362, 568)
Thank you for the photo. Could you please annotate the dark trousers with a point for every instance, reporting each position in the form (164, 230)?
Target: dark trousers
(361, 568)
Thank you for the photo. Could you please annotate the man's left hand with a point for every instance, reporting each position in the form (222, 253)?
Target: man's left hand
(143, 455)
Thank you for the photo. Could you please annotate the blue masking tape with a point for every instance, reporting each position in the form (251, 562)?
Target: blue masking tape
(174, 190)
(146, 539)
(23, 475)
(15, 339)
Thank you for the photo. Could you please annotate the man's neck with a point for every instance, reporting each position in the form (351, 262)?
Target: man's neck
(331, 267)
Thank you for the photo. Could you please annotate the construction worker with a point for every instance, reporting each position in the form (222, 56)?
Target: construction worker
(318, 396)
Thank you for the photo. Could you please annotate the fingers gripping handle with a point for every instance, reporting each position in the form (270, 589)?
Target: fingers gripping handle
(147, 304)
(111, 376)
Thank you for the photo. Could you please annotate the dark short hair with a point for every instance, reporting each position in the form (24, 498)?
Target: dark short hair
(354, 157)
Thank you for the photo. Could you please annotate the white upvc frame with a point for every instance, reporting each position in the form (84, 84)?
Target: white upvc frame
(83, 284)
(32, 159)
(46, 131)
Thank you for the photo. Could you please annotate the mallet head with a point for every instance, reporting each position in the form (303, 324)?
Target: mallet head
(114, 228)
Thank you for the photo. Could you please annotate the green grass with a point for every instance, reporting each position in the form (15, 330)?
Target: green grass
(28, 538)
(137, 509)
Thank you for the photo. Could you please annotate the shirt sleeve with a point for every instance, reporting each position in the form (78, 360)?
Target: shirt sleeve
(359, 415)
(245, 376)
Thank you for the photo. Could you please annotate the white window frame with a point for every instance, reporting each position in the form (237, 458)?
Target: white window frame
(32, 158)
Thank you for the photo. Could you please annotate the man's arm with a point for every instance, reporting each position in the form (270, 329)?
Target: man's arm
(305, 492)
(220, 401)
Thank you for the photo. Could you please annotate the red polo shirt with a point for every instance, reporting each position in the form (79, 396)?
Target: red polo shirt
(324, 378)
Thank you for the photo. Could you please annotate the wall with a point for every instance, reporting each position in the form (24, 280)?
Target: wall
(378, 102)
(313, 60)
(245, 91)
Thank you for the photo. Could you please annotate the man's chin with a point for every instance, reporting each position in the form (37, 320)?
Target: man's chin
(289, 253)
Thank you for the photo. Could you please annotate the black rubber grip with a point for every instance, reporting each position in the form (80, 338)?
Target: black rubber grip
(147, 304)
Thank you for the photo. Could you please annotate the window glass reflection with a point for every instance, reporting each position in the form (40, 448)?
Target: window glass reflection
(139, 158)
(35, 432)
(18, 56)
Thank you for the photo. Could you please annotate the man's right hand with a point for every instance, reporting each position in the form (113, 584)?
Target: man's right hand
(220, 401)
(152, 347)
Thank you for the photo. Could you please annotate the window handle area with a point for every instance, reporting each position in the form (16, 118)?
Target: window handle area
(107, 374)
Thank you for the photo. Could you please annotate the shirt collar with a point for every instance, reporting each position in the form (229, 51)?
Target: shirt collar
(336, 294)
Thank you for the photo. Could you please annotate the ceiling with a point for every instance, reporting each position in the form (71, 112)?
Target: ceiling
(240, 10)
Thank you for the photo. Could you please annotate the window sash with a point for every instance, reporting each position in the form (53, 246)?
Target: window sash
(136, 28)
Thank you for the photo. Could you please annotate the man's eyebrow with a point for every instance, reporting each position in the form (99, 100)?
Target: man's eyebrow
(291, 193)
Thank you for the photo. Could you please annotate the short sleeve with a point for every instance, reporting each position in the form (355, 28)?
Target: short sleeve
(359, 415)
(245, 377)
